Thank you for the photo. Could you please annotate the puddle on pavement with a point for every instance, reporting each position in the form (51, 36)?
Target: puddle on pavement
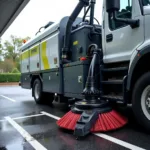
(46, 132)
(10, 139)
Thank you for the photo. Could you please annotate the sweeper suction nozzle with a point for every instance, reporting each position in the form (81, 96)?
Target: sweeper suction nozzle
(92, 114)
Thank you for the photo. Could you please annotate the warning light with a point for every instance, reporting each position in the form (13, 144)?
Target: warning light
(24, 41)
(139, 55)
(83, 58)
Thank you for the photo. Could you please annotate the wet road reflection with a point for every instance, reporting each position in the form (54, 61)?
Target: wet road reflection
(10, 139)
(46, 132)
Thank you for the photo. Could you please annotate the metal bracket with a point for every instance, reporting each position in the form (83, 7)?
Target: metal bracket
(85, 123)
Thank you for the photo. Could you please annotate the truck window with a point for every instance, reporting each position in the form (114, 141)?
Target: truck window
(124, 12)
(146, 2)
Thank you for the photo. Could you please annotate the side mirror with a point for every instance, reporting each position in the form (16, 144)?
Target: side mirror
(112, 5)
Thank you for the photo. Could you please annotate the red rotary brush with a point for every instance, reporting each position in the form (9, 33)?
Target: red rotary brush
(109, 121)
(68, 121)
(106, 121)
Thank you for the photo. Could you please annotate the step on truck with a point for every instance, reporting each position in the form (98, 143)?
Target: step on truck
(55, 63)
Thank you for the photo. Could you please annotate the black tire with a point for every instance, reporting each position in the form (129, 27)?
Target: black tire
(141, 87)
(43, 98)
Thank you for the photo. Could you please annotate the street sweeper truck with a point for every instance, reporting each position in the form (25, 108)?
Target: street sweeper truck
(91, 66)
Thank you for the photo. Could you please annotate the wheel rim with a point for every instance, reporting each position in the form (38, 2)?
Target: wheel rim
(37, 91)
(145, 102)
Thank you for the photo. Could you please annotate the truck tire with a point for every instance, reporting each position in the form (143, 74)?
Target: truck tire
(41, 97)
(141, 101)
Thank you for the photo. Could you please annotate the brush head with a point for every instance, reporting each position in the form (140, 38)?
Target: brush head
(106, 121)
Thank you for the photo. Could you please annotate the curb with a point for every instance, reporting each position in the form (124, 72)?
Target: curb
(9, 84)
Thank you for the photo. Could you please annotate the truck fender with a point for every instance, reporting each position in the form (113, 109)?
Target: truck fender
(137, 56)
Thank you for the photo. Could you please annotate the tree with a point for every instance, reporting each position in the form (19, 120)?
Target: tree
(7, 65)
(15, 70)
(0, 52)
(11, 48)
(0, 49)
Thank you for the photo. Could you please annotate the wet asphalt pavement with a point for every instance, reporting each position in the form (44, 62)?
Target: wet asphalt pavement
(19, 106)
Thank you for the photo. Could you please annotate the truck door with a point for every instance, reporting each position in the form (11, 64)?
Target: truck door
(119, 39)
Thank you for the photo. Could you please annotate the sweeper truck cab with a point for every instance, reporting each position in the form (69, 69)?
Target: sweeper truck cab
(82, 63)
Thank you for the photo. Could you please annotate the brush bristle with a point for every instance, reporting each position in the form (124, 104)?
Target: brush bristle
(68, 121)
(106, 122)
(109, 121)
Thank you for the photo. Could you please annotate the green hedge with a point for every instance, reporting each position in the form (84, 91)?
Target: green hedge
(10, 77)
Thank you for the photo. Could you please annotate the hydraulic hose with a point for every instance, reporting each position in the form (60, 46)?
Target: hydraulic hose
(90, 88)
(86, 13)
